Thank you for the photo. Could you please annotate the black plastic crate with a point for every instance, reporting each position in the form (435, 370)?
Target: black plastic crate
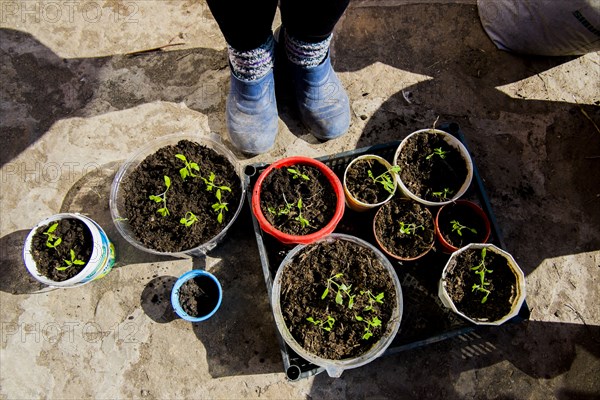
(425, 319)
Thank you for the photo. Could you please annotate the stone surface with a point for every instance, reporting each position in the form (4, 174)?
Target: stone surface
(81, 91)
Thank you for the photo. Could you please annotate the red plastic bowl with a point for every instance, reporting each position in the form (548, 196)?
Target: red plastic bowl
(294, 239)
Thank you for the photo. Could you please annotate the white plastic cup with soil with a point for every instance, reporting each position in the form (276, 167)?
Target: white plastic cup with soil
(178, 195)
(196, 295)
(369, 182)
(350, 302)
(435, 167)
(404, 229)
(483, 284)
(68, 250)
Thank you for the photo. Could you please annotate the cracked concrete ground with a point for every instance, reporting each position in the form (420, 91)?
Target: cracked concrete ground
(80, 92)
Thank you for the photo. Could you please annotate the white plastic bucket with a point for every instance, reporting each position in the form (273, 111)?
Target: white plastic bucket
(452, 141)
(512, 264)
(100, 263)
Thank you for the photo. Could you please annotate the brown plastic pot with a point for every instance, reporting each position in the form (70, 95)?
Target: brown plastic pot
(390, 252)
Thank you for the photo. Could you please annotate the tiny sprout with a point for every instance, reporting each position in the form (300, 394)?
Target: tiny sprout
(438, 152)
(410, 229)
(210, 183)
(329, 321)
(162, 198)
(52, 240)
(342, 289)
(458, 227)
(297, 174)
(372, 299)
(481, 270)
(283, 211)
(385, 179)
(374, 322)
(71, 262)
(188, 219)
(303, 221)
(444, 194)
(189, 166)
(219, 206)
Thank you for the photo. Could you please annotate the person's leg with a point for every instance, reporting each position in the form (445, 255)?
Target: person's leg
(311, 20)
(251, 110)
(322, 101)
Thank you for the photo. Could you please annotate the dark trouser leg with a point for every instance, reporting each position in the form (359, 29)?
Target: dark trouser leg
(245, 24)
(311, 20)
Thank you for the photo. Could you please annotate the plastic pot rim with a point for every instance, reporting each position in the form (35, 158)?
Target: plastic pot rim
(452, 141)
(299, 239)
(211, 141)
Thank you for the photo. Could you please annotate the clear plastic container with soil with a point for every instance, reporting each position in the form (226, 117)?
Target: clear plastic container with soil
(177, 195)
(425, 319)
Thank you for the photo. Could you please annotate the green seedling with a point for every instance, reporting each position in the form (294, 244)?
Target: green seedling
(219, 206)
(374, 322)
(481, 270)
(283, 211)
(162, 198)
(443, 195)
(52, 240)
(410, 229)
(437, 152)
(458, 227)
(189, 219)
(326, 325)
(189, 168)
(303, 221)
(385, 179)
(71, 262)
(341, 289)
(372, 299)
(210, 184)
(297, 174)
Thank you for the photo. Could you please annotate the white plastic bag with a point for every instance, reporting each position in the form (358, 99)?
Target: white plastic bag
(542, 27)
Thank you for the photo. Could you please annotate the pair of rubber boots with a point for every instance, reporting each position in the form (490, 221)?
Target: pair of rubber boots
(251, 110)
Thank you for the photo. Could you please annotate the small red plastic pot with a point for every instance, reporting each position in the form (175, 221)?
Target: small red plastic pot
(475, 211)
(293, 239)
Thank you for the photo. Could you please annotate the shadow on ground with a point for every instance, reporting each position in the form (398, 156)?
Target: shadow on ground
(535, 156)
(41, 88)
(540, 350)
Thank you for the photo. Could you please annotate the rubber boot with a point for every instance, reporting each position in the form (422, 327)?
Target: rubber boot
(322, 100)
(251, 114)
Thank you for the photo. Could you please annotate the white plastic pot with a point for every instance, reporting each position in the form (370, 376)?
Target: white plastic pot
(452, 141)
(100, 263)
(117, 205)
(519, 276)
(358, 205)
(335, 368)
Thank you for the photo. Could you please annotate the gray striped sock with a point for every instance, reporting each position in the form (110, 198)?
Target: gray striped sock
(306, 54)
(252, 64)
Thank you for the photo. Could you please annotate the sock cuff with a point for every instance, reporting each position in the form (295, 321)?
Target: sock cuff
(252, 64)
(306, 54)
